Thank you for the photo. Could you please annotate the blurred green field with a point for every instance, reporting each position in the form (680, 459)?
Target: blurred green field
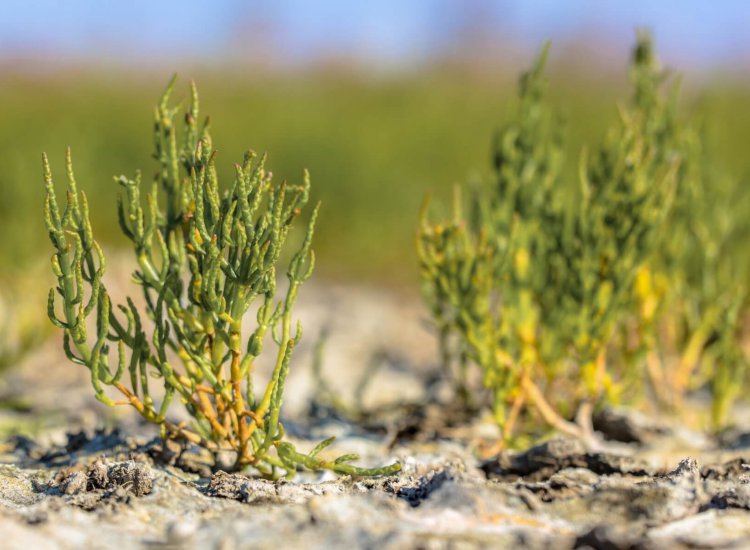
(374, 146)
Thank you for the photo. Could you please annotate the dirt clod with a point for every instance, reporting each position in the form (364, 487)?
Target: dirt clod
(131, 477)
(241, 488)
(135, 478)
(74, 483)
(542, 461)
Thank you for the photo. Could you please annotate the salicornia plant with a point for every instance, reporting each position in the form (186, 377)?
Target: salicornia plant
(697, 317)
(480, 274)
(628, 189)
(207, 268)
(532, 280)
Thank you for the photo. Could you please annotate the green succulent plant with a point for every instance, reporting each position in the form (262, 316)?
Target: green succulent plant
(206, 264)
(539, 281)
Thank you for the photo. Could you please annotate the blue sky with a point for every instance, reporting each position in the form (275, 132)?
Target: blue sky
(390, 32)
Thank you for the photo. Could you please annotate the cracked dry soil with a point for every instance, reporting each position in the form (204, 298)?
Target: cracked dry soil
(88, 477)
(123, 494)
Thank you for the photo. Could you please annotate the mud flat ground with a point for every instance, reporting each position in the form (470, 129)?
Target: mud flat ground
(74, 474)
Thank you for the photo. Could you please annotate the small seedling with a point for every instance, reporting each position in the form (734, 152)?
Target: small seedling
(19, 325)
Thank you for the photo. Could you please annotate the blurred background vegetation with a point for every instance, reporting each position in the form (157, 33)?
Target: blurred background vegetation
(374, 148)
(376, 127)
